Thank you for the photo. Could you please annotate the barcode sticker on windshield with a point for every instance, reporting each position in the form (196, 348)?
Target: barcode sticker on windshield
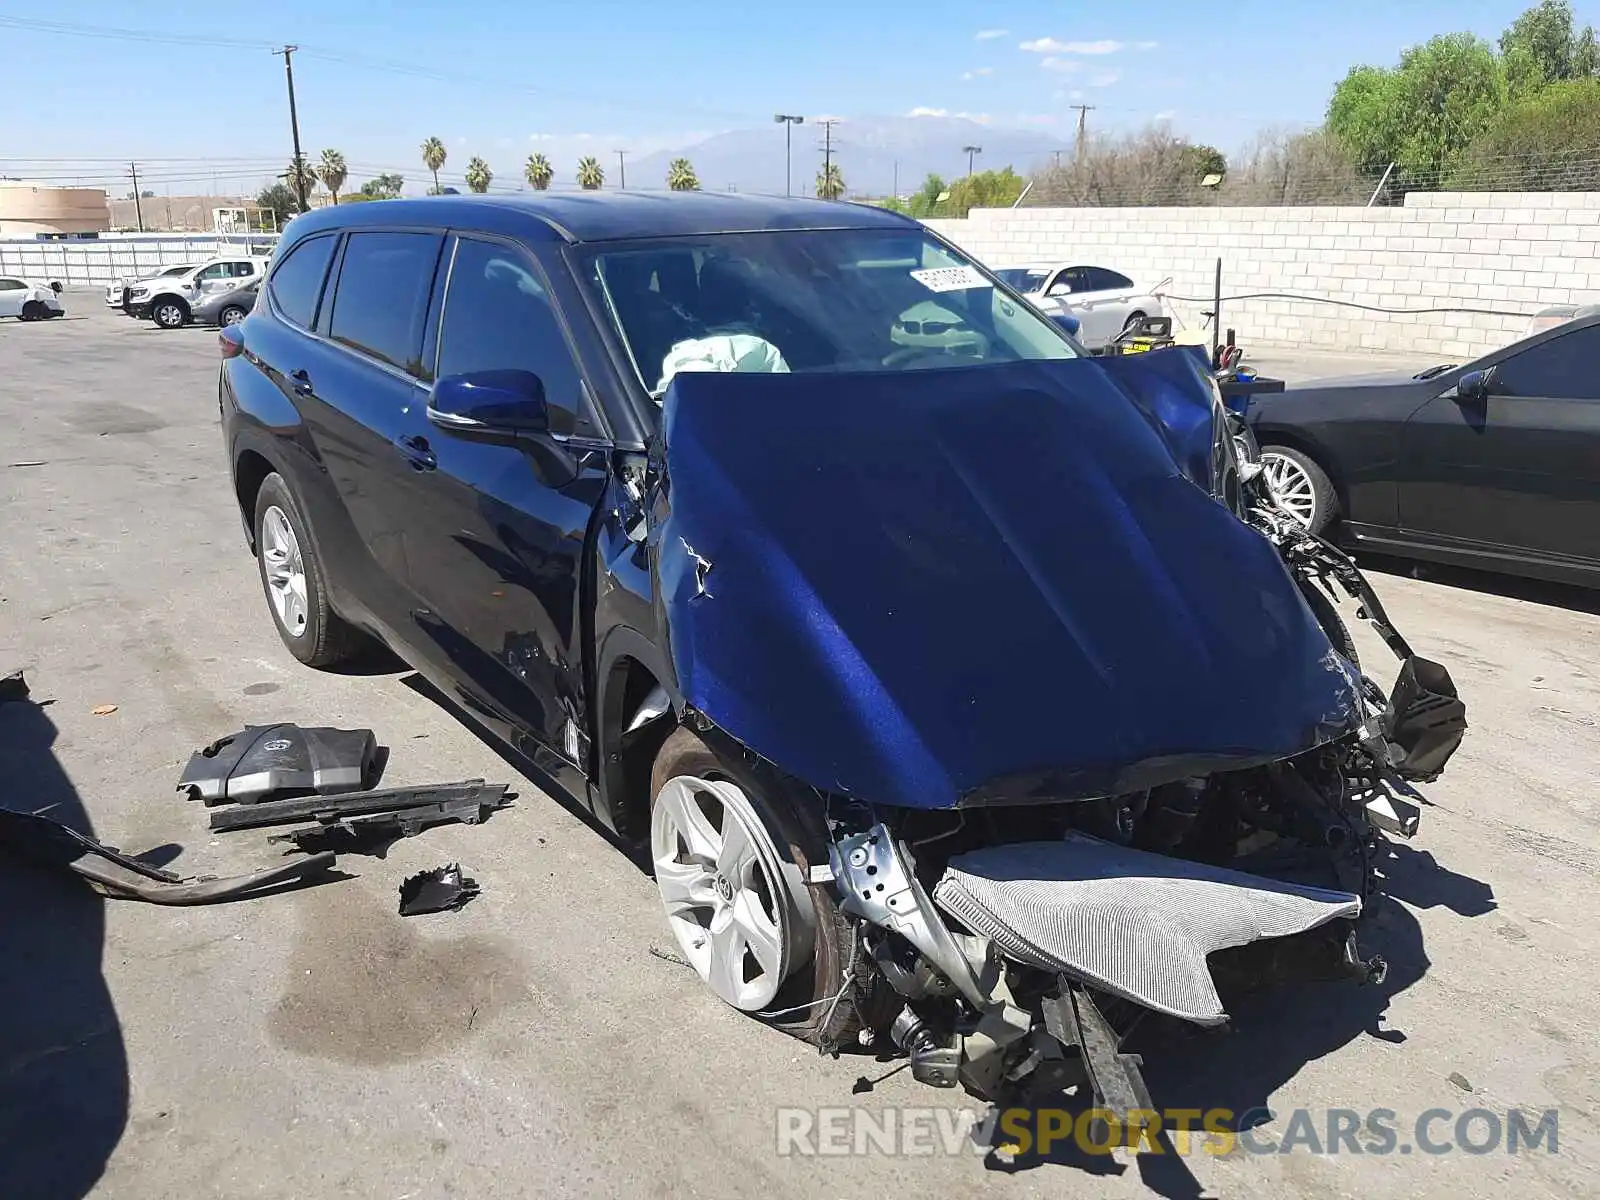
(950, 279)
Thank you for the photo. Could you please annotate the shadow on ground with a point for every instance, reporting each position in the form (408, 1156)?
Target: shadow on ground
(63, 1069)
(1513, 587)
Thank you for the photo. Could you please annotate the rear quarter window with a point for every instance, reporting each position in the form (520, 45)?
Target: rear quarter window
(297, 280)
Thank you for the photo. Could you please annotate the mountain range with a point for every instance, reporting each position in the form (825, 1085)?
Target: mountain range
(878, 155)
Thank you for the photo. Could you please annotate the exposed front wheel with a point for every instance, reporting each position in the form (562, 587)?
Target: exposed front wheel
(294, 581)
(1300, 486)
(33, 310)
(731, 846)
(170, 314)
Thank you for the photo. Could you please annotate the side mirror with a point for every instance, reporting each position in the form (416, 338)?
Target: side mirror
(495, 405)
(1473, 386)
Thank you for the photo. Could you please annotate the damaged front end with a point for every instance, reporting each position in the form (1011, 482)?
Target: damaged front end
(1044, 646)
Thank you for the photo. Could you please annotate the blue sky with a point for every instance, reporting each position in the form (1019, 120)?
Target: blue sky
(501, 78)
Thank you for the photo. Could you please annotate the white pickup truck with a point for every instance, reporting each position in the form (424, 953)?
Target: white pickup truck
(169, 299)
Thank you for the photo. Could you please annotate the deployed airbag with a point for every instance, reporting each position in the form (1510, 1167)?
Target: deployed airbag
(1136, 924)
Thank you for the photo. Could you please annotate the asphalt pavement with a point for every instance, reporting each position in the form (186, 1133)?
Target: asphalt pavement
(543, 1041)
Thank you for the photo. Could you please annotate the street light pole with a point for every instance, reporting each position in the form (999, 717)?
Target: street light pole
(622, 171)
(789, 121)
(971, 152)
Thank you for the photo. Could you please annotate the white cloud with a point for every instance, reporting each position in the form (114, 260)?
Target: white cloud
(924, 111)
(1165, 114)
(976, 73)
(1145, 45)
(1052, 63)
(989, 35)
(1104, 78)
(1049, 45)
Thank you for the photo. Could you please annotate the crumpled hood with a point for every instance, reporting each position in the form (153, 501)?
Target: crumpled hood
(949, 587)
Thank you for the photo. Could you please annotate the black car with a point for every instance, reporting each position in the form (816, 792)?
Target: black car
(1494, 464)
(790, 542)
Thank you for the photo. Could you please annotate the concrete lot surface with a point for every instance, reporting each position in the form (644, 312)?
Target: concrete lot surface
(539, 1043)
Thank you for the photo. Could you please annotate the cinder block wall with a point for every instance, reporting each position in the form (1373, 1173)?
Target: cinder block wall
(1509, 253)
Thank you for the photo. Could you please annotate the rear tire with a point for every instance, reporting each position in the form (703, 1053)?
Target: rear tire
(33, 310)
(793, 825)
(169, 313)
(295, 584)
(231, 315)
(1301, 485)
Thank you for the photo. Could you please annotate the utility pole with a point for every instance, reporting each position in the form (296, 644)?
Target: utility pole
(971, 152)
(299, 174)
(1083, 112)
(138, 204)
(789, 121)
(622, 171)
(827, 148)
(895, 191)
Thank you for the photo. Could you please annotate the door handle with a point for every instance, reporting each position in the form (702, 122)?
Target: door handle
(302, 382)
(417, 452)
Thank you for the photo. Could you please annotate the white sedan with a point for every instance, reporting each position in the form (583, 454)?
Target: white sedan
(28, 300)
(1104, 301)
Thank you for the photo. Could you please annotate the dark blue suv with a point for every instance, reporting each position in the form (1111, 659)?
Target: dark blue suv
(784, 536)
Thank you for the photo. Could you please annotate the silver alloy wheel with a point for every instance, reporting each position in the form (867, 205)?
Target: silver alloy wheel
(1291, 487)
(169, 316)
(232, 316)
(285, 571)
(739, 915)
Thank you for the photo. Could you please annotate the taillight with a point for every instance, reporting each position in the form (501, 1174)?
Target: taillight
(230, 341)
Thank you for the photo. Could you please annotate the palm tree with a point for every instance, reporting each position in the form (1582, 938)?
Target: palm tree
(479, 176)
(433, 156)
(331, 170)
(681, 176)
(538, 171)
(302, 180)
(830, 182)
(590, 175)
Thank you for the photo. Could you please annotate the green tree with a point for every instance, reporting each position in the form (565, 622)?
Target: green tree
(925, 200)
(538, 172)
(591, 177)
(1543, 142)
(332, 171)
(381, 187)
(479, 176)
(280, 200)
(985, 189)
(300, 177)
(681, 176)
(830, 182)
(433, 156)
(1423, 113)
(1206, 160)
(1542, 47)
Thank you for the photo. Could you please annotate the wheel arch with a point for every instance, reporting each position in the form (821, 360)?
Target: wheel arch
(250, 471)
(636, 711)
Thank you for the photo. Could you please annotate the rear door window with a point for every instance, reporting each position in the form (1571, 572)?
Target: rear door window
(381, 296)
(1102, 280)
(498, 317)
(297, 279)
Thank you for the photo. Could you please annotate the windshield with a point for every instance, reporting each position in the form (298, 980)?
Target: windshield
(1024, 279)
(811, 302)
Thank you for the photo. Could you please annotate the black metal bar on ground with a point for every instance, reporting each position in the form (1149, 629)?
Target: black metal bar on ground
(281, 812)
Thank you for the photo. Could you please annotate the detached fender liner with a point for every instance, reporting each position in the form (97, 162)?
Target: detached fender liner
(1132, 923)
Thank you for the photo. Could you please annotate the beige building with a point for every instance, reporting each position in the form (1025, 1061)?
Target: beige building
(27, 209)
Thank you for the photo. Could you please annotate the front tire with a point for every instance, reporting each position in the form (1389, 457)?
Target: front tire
(33, 310)
(732, 844)
(1300, 486)
(294, 582)
(169, 313)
